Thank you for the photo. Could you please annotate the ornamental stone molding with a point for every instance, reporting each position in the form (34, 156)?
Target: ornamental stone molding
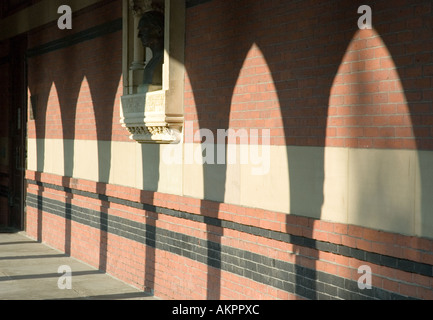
(144, 134)
(144, 116)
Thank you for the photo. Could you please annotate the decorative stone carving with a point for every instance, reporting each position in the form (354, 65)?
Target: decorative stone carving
(140, 104)
(143, 134)
(145, 118)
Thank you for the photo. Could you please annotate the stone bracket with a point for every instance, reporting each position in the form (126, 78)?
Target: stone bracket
(144, 117)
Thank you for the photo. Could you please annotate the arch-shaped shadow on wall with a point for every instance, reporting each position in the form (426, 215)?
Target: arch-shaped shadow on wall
(413, 66)
(68, 94)
(245, 23)
(310, 47)
(104, 95)
(42, 95)
(103, 77)
(373, 92)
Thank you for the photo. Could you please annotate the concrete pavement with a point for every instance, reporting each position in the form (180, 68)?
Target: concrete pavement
(29, 271)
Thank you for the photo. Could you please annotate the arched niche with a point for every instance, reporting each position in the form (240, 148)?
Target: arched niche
(153, 113)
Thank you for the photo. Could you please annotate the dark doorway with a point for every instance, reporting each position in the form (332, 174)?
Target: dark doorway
(16, 140)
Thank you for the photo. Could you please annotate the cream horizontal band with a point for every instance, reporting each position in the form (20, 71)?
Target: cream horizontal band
(381, 189)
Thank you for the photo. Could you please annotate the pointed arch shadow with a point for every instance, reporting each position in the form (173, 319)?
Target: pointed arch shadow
(366, 95)
(42, 92)
(68, 94)
(241, 26)
(91, 82)
(303, 59)
(104, 95)
(397, 94)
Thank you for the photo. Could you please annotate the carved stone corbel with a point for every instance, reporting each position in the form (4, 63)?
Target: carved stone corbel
(145, 118)
(144, 134)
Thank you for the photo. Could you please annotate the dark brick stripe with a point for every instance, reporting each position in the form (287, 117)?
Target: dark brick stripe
(289, 277)
(89, 34)
(369, 257)
(193, 3)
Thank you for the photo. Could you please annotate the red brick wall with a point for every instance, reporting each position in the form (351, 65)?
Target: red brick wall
(171, 275)
(78, 86)
(303, 70)
(306, 71)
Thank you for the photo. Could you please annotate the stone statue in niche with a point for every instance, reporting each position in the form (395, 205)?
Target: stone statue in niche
(151, 33)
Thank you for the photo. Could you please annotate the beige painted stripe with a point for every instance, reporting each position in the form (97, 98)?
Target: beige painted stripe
(38, 15)
(388, 190)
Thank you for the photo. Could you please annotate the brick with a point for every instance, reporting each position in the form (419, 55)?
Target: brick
(340, 228)
(372, 65)
(408, 290)
(422, 280)
(390, 285)
(355, 231)
(387, 132)
(368, 109)
(363, 245)
(371, 132)
(425, 293)
(345, 272)
(348, 241)
(427, 258)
